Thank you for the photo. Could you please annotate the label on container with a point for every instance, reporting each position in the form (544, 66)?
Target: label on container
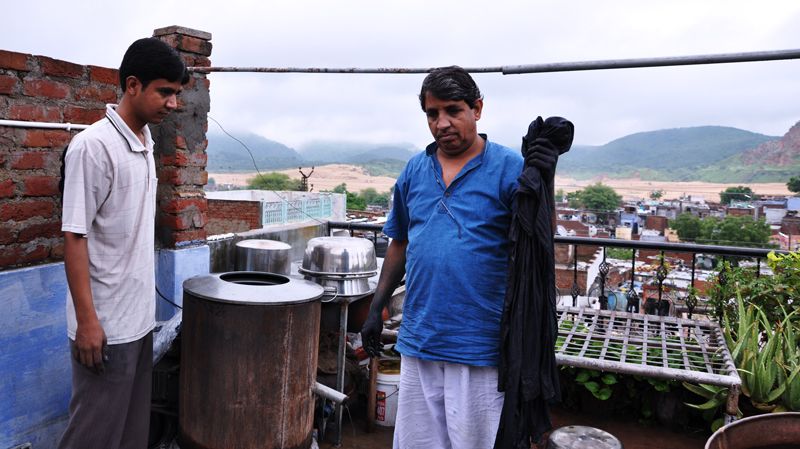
(380, 406)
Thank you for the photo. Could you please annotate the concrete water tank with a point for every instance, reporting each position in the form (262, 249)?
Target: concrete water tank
(248, 361)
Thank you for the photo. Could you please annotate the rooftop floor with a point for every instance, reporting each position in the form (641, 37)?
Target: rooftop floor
(632, 434)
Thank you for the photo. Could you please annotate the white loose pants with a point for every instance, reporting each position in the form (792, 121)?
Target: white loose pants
(444, 405)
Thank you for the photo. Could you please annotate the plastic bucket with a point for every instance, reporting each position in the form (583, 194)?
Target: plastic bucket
(387, 392)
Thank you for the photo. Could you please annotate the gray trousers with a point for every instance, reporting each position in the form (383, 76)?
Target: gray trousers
(112, 410)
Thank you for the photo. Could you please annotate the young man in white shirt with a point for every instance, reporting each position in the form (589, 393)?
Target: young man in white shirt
(108, 221)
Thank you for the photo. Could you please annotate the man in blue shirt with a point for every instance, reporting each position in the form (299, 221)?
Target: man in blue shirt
(449, 228)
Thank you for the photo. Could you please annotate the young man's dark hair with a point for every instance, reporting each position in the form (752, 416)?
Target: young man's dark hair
(450, 83)
(150, 59)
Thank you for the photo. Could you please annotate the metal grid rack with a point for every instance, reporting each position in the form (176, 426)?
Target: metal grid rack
(648, 345)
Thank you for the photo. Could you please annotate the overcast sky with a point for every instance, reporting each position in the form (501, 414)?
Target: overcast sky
(604, 105)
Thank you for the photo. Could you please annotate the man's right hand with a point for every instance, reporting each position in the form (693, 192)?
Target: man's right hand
(90, 345)
(371, 333)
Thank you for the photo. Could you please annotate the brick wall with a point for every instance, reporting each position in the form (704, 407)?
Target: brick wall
(181, 147)
(38, 88)
(227, 216)
(42, 89)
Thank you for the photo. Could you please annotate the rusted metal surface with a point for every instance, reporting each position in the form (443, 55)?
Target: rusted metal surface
(654, 346)
(372, 393)
(773, 430)
(724, 58)
(247, 373)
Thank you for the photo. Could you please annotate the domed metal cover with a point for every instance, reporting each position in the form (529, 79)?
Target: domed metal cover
(338, 257)
(252, 287)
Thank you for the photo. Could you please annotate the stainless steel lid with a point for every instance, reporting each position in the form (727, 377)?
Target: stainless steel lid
(252, 288)
(338, 257)
(263, 244)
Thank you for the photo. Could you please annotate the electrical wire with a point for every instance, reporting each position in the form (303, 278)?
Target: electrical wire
(166, 299)
(260, 175)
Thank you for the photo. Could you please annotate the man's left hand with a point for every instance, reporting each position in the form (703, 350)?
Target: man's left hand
(542, 154)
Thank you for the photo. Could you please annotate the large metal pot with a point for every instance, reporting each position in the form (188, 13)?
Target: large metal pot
(248, 361)
(341, 264)
(270, 256)
(772, 430)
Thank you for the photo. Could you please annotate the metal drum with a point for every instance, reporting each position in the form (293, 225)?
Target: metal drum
(770, 431)
(248, 361)
(270, 256)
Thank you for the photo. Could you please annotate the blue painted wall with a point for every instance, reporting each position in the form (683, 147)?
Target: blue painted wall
(35, 374)
(34, 357)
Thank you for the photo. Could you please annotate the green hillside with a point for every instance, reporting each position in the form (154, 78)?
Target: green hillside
(227, 155)
(670, 154)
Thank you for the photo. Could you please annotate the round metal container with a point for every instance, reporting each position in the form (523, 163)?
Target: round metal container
(269, 256)
(248, 361)
(772, 430)
(340, 263)
(582, 437)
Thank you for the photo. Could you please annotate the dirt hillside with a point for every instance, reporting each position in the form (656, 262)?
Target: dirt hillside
(329, 176)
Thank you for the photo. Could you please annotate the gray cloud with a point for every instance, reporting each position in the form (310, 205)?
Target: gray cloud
(295, 108)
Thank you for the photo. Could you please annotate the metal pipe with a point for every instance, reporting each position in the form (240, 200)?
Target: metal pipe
(616, 243)
(45, 125)
(723, 58)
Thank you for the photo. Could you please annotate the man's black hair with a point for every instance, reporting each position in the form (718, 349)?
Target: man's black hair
(150, 59)
(450, 83)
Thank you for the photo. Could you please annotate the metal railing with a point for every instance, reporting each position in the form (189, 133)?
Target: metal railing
(293, 211)
(653, 305)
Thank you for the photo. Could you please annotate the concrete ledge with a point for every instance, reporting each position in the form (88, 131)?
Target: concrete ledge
(177, 29)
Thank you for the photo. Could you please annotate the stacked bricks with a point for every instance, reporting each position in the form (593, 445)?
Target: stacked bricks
(227, 216)
(180, 147)
(41, 89)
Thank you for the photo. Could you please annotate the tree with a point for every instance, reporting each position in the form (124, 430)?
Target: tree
(738, 193)
(656, 194)
(794, 184)
(372, 197)
(341, 188)
(355, 201)
(560, 195)
(596, 198)
(687, 226)
(273, 181)
(729, 231)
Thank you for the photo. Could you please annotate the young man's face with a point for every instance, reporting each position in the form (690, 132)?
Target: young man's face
(452, 123)
(153, 103)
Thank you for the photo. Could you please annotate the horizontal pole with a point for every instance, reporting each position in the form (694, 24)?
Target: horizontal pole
(42, 125)
(670, 61)
(614, 243)
(669, 247)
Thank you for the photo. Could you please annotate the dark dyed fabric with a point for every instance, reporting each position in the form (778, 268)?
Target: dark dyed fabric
(527, 372)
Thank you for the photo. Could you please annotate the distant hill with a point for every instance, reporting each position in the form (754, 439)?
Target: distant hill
(227, 155)
(670, 154)
(704, 153)
(355, 152)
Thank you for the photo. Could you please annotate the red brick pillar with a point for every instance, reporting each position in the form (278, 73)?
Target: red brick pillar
(180, 147)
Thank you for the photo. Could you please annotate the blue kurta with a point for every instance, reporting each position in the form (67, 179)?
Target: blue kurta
(457, 255)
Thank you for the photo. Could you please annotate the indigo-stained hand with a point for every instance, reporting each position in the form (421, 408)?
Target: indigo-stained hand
(371, 334)
(544, 142)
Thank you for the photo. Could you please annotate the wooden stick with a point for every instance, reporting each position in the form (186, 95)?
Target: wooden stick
(372, 394)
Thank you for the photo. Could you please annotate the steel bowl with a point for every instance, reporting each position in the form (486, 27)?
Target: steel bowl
(341, 264)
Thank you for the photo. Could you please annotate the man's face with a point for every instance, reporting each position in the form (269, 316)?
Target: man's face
(153, 103)
(452, 123)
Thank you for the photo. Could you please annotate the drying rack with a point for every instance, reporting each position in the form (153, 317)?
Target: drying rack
(660, 347)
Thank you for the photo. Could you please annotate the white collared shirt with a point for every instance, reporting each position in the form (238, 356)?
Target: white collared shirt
(109, 196)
